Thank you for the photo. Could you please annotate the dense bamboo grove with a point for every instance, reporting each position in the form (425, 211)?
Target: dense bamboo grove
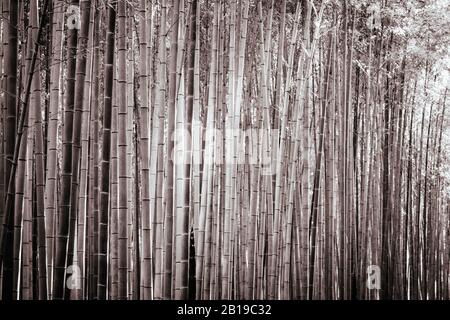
(210, 149)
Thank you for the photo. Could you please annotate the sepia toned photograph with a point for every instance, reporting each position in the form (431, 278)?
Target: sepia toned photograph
(239, 150)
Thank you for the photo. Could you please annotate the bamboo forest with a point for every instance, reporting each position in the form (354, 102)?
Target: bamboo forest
(224, 149)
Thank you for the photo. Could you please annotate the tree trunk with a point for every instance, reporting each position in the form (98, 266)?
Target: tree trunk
(106, 151)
